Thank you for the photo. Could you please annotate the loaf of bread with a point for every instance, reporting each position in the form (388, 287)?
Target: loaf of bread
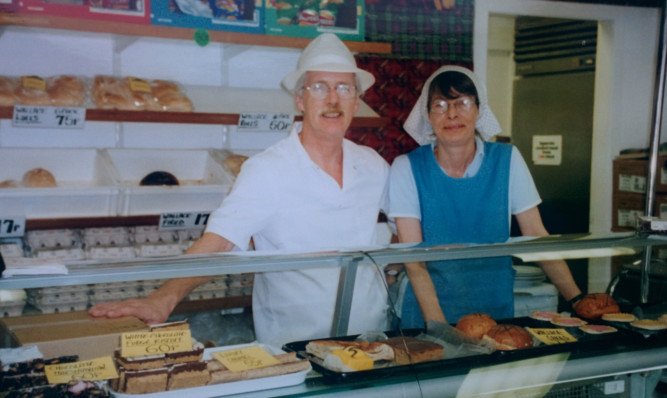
(594, 305)
(475, 325)
(409, 350)
(509, 337)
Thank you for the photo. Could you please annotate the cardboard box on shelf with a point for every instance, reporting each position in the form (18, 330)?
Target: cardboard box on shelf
(245, 16)
(626, 207)
(69, 333)
(132, 11)
(630, 175)
(309, 18)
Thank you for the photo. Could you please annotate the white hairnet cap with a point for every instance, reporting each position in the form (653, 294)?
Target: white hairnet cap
(327, 53)
(418, 125)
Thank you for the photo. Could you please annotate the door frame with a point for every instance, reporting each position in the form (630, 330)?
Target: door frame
(625, 76)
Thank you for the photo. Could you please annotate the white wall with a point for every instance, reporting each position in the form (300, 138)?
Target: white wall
(31, 51)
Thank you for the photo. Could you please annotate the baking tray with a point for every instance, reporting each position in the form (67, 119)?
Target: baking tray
(235, 387)
(586, 344)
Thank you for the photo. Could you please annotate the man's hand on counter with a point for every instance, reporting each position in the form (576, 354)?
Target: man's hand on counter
(144, 309)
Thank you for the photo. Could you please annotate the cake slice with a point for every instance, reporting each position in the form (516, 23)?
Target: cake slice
(412, 350)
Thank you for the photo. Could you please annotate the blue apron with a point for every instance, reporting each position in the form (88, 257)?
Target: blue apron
(464, 210)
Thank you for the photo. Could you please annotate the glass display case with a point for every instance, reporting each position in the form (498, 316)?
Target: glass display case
(628, 362)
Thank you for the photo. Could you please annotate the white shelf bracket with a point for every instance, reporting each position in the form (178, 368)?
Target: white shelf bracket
(120, 44)
(229, 51)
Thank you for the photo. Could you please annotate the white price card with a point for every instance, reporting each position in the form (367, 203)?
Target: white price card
(265, 122)
(12, 227)
(49, 117)
(171, 221)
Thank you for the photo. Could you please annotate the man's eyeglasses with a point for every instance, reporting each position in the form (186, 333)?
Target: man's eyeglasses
(321, 90)
(463, 104)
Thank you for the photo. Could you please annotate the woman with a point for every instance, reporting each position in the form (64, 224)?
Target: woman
(459, 188)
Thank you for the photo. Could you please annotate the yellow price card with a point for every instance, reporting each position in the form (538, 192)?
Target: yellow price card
(245, 358)
(552, 336)
(140, 85)
(34, 82)
(91, 370)
(137, 344)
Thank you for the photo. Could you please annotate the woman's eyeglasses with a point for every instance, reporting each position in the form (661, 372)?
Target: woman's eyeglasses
(463, 104)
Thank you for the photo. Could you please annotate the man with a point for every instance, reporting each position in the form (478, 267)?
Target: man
(312, 191)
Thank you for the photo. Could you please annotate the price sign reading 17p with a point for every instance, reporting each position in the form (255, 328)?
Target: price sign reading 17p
(49, 117)
(12, 227)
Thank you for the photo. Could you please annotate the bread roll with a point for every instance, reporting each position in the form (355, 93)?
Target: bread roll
(38, 178)
(175, 103)
(593, 305)
(509, 337)
(159, 178)
(7, 91)
(9, 184)
(65, 90)
(109, 92)
(32, 91)
(234, 162)
(475, 325)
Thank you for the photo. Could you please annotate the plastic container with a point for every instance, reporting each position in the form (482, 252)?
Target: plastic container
(85, 186)
(203, 182)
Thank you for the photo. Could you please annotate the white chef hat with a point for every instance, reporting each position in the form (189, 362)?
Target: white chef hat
(327, 53)
(418, 125)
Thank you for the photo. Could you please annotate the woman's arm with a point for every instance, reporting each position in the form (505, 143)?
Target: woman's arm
(530, 223)
(410, 231)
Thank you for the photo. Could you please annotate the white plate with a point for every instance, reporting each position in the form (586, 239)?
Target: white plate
(235, 387)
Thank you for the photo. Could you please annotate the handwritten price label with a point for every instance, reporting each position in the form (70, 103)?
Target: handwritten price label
(94, 369)
(263, 122)
(170, 221)
(136, 344)
(252, 357)
(48, 117)
(552, 336)
(12, 227)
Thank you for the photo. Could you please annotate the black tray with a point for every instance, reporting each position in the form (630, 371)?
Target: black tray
(586, 345)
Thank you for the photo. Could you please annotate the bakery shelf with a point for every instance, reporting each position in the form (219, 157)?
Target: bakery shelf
(219, 105)
(129, 29)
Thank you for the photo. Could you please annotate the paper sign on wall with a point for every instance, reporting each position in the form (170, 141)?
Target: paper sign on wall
(547, 150)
